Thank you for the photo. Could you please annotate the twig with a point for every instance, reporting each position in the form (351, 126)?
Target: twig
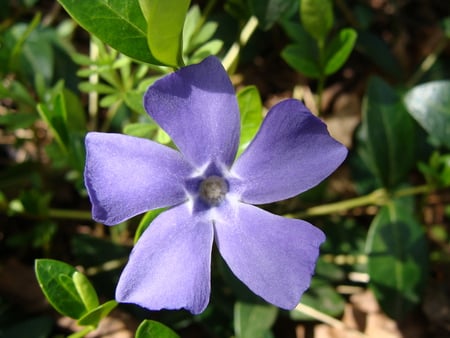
(324, 318)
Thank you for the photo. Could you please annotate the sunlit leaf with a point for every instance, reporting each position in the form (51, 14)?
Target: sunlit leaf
(120, 24)
(153, 329)
(56, 281)
(250, 106)
(94, 316)
(429, 104)
(339, 49)
(317, 17)
(85, 290)
(165, 21)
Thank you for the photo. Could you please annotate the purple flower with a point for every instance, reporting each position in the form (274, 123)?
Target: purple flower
(210, 194)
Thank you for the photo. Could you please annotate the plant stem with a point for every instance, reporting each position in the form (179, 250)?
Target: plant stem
(428, 62)
(70, 214)
(378, 197)
(324, 318)
(232, 55)
(83, 332)
(93, 95)
(321, 80)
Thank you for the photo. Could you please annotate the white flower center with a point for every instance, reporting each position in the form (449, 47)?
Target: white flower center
(213, 190)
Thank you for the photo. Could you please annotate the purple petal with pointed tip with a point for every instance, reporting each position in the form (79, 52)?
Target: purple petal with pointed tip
(291, 153)
(169, 267)
(274, 256)
(126, 176)
(197, 107)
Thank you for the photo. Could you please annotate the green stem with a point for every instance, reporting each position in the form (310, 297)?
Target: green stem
(231, 57)
(70, 214)
(321, 83)
(428, 62)
(320, 87)
(378, 197)
(82, 333)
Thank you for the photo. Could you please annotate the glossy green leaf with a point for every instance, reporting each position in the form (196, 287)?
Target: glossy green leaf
(153, 329)
(302, 60)
(339, 49)
(389, 134)
(253, 320)
(269, 12)
(165, 21)
(429, 104)
(398, 258)
(85, 290)
(250, 106)
(94, 316)
(56, 280)
(317, 18)
(120, 24)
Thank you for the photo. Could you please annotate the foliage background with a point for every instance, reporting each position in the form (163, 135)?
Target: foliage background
(377, 72)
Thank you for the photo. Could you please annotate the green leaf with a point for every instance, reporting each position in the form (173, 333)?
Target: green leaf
(139, 129)
(55, 115)
(165, 21)
(76, 118)
(85, 290)
(398, 258)
(191, 22)
(13, 121)
(303, 55)
(120, 24)
(253, 320)
(429, 104)
(153, 329)
(212, 47)
(300, 59)
(61, 289)
(317, 18)
(146, 221)
(389, 134)
(379, 53)
(250, 106)
(339, 49)
(269, 12)
(94, 316)
(323, 297)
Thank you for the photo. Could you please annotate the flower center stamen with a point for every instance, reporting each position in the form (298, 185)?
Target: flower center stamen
(213, 190)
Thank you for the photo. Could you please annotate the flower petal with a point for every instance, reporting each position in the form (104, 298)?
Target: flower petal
(169, 267)
(197, 107)
(126, 176)
(291, 153)
(274, 256)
